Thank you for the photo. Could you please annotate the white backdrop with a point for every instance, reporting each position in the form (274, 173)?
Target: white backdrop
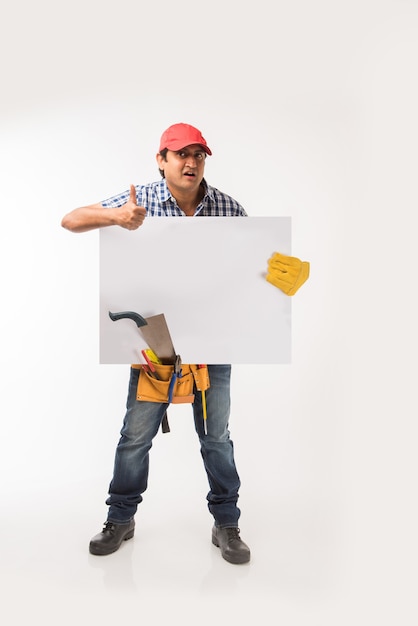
(310, 111)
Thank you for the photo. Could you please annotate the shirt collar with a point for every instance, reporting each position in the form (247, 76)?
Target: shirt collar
(164, 194)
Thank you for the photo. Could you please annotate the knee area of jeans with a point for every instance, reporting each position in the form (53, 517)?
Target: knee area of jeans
(211, 438)
(131, 437)
(137, 427)
(137, 434)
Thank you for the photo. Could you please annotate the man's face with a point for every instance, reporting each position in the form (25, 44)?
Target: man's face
(183, 170)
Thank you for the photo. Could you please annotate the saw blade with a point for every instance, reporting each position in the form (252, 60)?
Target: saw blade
(158, 337)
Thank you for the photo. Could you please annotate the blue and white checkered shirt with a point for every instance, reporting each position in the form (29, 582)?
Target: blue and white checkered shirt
(159, 202)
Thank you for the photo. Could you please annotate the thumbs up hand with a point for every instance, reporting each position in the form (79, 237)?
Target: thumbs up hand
(130, 215)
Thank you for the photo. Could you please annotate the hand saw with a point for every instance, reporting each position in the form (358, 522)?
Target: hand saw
(155, 331)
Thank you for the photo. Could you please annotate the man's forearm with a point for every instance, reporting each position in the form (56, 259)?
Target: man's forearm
(129, 216)
(88, 218)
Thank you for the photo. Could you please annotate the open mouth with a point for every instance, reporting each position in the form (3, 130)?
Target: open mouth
(190, 174)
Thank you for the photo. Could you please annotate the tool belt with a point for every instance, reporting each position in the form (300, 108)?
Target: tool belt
(169, 385)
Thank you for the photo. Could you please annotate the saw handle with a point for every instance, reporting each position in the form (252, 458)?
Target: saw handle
(131, 315)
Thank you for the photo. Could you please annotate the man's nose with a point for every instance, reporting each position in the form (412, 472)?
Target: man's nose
(191, 160)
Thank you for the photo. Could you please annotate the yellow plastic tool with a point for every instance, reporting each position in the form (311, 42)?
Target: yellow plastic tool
(152, 356)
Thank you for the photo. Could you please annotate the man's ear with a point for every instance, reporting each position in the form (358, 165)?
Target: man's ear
(160, 161)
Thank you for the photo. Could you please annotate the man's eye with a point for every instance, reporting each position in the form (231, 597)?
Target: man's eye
(199, 156)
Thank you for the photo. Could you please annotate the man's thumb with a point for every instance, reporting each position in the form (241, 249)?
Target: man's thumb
(132, 194)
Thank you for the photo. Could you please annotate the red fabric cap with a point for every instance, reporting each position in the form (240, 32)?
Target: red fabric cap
(179, 136)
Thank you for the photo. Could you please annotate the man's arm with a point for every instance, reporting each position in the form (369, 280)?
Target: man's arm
(85, 218)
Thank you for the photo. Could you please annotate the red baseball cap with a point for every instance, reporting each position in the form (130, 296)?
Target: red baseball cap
(179, 136)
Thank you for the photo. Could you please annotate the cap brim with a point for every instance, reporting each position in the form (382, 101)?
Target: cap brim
(176, 145)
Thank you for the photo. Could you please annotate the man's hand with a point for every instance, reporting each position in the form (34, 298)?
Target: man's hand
(85, 218)
(130, 215)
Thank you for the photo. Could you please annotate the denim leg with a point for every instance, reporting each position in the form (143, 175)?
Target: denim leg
(217, 448)
(130, 476)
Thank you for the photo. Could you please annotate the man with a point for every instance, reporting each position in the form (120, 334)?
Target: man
(182, 191)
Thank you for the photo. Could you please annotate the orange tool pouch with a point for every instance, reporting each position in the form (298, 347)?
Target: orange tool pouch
(159, 386)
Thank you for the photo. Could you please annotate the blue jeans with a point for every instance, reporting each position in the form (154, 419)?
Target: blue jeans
(141, 424)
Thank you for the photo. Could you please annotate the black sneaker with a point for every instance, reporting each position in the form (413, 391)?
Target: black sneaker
(233, 549)
(111, 537)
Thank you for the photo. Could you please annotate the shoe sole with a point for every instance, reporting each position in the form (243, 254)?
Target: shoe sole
(236, 561)
(98, 552)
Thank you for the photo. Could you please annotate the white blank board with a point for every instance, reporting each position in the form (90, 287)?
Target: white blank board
(207, 276)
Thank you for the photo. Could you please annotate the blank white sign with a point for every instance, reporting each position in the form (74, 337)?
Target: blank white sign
(207, 276)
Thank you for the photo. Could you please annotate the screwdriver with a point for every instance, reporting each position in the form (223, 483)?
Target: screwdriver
(205, 416)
